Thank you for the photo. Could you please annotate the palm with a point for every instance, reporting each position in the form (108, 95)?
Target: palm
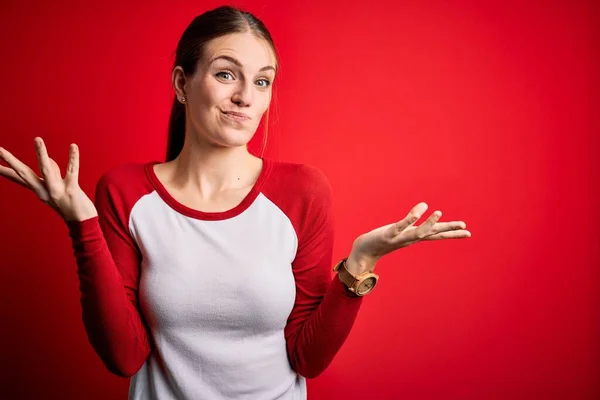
(385, 239)
(56, 188)
(63, 195)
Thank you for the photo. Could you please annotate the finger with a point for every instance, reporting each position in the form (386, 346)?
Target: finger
(25, 173)
(459, 234)
(447, 226)
(425, 228)
(44, 161)
(72, 174)
(411, 218)
(50, 170)
(10, 174)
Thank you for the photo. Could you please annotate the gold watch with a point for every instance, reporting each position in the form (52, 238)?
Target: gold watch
(360, 284)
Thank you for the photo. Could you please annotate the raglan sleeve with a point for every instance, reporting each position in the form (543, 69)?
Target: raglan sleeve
(324, 311)
(108, 264)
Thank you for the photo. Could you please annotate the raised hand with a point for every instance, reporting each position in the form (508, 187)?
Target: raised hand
(62, 194)
(368, 248)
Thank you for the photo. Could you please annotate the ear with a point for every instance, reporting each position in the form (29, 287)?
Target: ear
(178, 79)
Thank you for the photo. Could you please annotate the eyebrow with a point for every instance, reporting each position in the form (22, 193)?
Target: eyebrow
(238, 63)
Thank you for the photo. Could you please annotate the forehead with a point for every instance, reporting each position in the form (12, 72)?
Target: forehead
(253, 52)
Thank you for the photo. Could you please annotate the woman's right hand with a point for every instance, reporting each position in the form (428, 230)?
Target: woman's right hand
(63, 195)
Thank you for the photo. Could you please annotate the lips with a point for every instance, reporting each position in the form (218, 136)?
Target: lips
(236, 116)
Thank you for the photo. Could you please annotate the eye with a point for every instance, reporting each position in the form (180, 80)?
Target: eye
(264, 82)
(225, 75)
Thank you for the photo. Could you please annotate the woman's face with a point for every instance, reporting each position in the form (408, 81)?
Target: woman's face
(231, 89)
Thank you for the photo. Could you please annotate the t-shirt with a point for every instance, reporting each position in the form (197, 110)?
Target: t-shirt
(196, 305)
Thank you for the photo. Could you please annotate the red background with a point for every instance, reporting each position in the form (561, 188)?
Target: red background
(485, 110)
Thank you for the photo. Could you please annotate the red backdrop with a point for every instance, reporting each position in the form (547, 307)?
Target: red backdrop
(485, 111)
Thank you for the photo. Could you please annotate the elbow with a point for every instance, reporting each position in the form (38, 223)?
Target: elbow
(311, 373)
(122, 372)
(308, 369)
(308, 362)
(122, 369)
(120, 359)
(122, 362)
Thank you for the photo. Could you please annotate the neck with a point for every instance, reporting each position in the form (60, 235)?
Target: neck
(216, 169)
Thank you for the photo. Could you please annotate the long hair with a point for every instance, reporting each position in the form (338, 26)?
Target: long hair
(190, 48)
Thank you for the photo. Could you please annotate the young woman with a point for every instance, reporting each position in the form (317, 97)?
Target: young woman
(208, 276)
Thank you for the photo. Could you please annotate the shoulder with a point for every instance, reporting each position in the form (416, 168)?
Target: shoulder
(124, 183)
(123, 174)
(303, 193)
(301, 180)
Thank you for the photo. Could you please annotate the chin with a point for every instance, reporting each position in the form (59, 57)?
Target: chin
(234, 137)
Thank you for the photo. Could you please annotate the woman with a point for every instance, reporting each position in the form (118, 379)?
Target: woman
(208, 276)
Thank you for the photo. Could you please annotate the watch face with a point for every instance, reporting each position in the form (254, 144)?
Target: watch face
(366, 286)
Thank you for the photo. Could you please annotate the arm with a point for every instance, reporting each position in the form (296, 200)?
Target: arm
(324, 311)
(108, 263)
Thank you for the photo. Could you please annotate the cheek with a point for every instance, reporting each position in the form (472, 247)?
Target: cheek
(264, 102)
(211, 93)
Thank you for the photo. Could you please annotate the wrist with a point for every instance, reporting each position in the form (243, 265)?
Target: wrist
(82, 215)
(358, 263)
(357, 274)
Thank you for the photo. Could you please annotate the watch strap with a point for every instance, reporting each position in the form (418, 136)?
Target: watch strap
(353, 282)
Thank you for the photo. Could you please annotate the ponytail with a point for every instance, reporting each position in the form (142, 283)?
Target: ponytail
(176, 130)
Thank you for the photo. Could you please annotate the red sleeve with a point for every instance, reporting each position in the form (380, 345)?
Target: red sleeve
(324, 311)
(108, 263)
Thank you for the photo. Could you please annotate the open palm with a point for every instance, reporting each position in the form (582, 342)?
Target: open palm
(63, 195)
(388, 238)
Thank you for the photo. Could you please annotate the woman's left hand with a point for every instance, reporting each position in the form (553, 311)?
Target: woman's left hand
(368, 248)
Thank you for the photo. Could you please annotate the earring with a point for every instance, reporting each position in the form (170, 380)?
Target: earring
(183, 99)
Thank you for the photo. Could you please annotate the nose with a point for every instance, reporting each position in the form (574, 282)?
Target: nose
(242, 95)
